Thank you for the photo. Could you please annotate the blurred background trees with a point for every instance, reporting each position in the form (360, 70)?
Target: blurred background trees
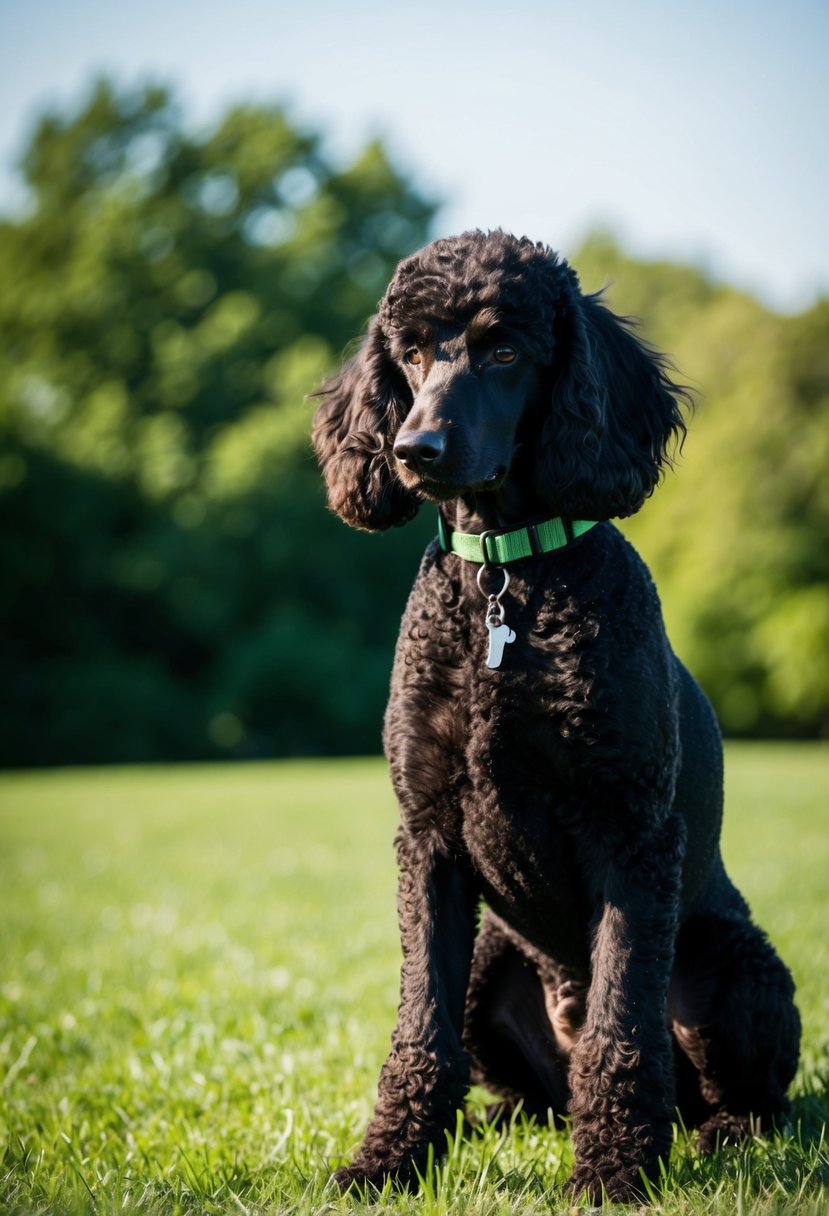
(172, 584)
(738, 539)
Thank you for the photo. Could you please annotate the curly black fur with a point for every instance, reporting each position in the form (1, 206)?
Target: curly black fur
(577, 789)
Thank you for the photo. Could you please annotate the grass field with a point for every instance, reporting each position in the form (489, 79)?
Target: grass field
(199, 980)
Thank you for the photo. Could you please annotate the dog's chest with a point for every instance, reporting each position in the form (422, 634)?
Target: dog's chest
(531, 880)
(484, 756)
(517, 826)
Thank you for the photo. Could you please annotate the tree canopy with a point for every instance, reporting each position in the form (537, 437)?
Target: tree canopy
(738, 536)
(172, 584)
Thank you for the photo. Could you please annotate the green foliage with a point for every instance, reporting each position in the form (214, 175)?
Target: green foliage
(172, 584)
(200, 981)
(738, 538)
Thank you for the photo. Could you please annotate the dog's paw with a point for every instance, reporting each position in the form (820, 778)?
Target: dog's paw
(349, 1176)
(616, 1185)
(723, 1128)
(373, 1175)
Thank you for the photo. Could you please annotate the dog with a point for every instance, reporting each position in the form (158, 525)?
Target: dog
(567, 778)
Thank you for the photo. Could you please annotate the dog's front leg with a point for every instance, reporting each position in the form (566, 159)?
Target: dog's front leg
(622, 1079)
(424, 1079)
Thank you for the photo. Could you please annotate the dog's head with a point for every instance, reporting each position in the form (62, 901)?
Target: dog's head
(485, 368)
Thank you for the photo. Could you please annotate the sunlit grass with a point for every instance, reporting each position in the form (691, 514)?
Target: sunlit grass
(199, 980)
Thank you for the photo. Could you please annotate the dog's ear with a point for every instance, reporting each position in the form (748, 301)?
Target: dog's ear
(615, 414)
(354, 428)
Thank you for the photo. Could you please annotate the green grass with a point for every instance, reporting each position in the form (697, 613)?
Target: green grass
(199, 980)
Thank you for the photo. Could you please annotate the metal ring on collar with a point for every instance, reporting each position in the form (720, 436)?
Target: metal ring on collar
(487, 570)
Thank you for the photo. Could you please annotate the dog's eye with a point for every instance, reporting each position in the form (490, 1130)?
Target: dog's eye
(503, 354)
(412, 356)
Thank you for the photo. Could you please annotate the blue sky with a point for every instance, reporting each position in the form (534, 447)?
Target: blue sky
(694, 130)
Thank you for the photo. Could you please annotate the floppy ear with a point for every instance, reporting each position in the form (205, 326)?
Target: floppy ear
(615, 414)
(354, 427)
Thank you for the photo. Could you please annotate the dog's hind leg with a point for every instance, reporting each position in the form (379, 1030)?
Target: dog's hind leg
(509, 1034)
(733, 1014)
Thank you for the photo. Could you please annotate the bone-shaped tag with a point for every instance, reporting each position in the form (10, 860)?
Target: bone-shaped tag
(499, 635)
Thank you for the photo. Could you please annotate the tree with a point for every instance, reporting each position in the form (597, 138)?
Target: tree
(175, 586)
(738, 536)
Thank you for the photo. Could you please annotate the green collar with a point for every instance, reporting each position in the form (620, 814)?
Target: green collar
(497, 546)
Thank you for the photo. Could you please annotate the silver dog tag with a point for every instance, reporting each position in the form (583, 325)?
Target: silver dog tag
(499, 635)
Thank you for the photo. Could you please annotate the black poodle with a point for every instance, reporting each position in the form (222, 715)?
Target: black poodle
(550, 754)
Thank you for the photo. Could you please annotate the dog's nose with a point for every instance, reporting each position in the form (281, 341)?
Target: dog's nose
(420, 450)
